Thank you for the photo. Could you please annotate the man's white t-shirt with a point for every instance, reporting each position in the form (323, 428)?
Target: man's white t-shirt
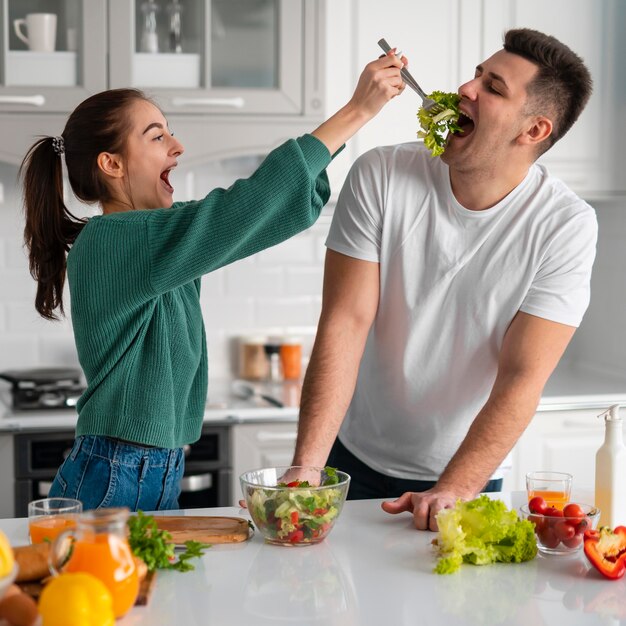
(451, 281)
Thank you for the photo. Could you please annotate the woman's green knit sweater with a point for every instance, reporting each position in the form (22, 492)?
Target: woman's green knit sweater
(134, 282)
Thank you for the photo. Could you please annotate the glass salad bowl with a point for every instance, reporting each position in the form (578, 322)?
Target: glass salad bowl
(294, 506)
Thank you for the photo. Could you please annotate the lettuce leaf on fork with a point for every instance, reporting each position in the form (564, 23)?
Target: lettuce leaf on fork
(435, 127)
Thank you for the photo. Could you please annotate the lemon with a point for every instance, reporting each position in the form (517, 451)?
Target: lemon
(6, 555)
(76, 599)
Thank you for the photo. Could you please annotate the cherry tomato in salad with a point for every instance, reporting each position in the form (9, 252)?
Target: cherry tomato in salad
(294, 517)
(294, 483)
(295, 536)
(537, 505)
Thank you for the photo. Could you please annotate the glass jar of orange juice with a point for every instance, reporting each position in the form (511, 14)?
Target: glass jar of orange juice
(99, 545)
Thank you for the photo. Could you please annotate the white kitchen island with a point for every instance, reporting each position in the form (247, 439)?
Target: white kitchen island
(374, 569)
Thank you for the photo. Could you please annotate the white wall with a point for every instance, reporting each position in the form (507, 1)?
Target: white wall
(600, 342)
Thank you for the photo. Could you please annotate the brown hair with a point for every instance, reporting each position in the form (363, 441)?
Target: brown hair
(562, 85)
(99, 124)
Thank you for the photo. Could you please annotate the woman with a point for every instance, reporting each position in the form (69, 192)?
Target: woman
(134, 273)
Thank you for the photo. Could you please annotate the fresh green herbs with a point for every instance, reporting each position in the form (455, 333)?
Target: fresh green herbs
(437, 125)
(155, 546)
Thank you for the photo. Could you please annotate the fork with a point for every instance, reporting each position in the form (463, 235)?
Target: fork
(427, 103)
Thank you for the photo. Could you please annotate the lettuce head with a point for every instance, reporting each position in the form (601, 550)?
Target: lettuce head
(480, 532)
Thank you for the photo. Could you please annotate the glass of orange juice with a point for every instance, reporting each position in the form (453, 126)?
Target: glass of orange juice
(554, 487)
(99, 546)
(50, 516)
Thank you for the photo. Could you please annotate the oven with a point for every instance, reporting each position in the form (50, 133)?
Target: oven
(206, 481)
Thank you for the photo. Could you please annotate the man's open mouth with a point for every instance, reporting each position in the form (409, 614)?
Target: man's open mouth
(466, 123)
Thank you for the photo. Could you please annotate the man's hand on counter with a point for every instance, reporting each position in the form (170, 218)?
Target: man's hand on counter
(424, 506)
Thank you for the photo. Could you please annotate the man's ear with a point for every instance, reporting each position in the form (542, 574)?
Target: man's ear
(539, 129)
(111, 165)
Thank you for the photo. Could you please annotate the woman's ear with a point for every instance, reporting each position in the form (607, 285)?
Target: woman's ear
(111, 165)
(539, 130)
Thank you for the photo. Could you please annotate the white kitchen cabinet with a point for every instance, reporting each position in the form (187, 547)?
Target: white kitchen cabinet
(250, 70)
(589, 158)
(234, 56)
(54, 81)
(560, 441)
(260, 445)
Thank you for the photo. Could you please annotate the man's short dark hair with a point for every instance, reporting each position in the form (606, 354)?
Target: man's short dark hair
(562, 85)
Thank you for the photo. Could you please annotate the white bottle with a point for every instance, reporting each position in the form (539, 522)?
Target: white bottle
(611, 471)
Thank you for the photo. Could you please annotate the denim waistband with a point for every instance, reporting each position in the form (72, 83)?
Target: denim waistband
(125, 452)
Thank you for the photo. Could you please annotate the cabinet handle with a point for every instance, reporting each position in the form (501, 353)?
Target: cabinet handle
(36, 101)
(268, 436)
(235, 103)
(196, 483)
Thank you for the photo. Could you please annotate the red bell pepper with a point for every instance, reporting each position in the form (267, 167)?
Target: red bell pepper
(606, 550)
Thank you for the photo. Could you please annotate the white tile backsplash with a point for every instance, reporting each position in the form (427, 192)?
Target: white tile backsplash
(296, 250)
(304, 281)
(19, 351)
(244, 279)
(286, 311)
(228, 314)
(18, 284)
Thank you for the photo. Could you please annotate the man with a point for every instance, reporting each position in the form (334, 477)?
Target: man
(452, 288)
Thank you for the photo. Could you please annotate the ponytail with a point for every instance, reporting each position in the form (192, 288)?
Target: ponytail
(50, 228)
(101, 123)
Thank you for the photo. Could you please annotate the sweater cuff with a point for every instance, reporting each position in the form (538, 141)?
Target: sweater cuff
(315, 153)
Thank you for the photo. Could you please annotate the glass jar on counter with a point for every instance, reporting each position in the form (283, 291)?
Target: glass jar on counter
(253, 362)
(291, 358)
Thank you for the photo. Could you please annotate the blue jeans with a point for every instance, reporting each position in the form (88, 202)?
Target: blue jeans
(366, 483)
(103, 472)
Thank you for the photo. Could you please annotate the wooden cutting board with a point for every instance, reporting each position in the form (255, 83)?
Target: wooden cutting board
(207, 529)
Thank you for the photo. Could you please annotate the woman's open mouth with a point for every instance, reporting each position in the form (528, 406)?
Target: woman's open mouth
(165, 177)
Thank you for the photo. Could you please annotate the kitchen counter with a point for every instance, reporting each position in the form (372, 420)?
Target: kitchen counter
(373, 569)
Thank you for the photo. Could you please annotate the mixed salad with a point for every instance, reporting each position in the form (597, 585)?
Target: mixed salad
(437, 123)
(297, 512)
